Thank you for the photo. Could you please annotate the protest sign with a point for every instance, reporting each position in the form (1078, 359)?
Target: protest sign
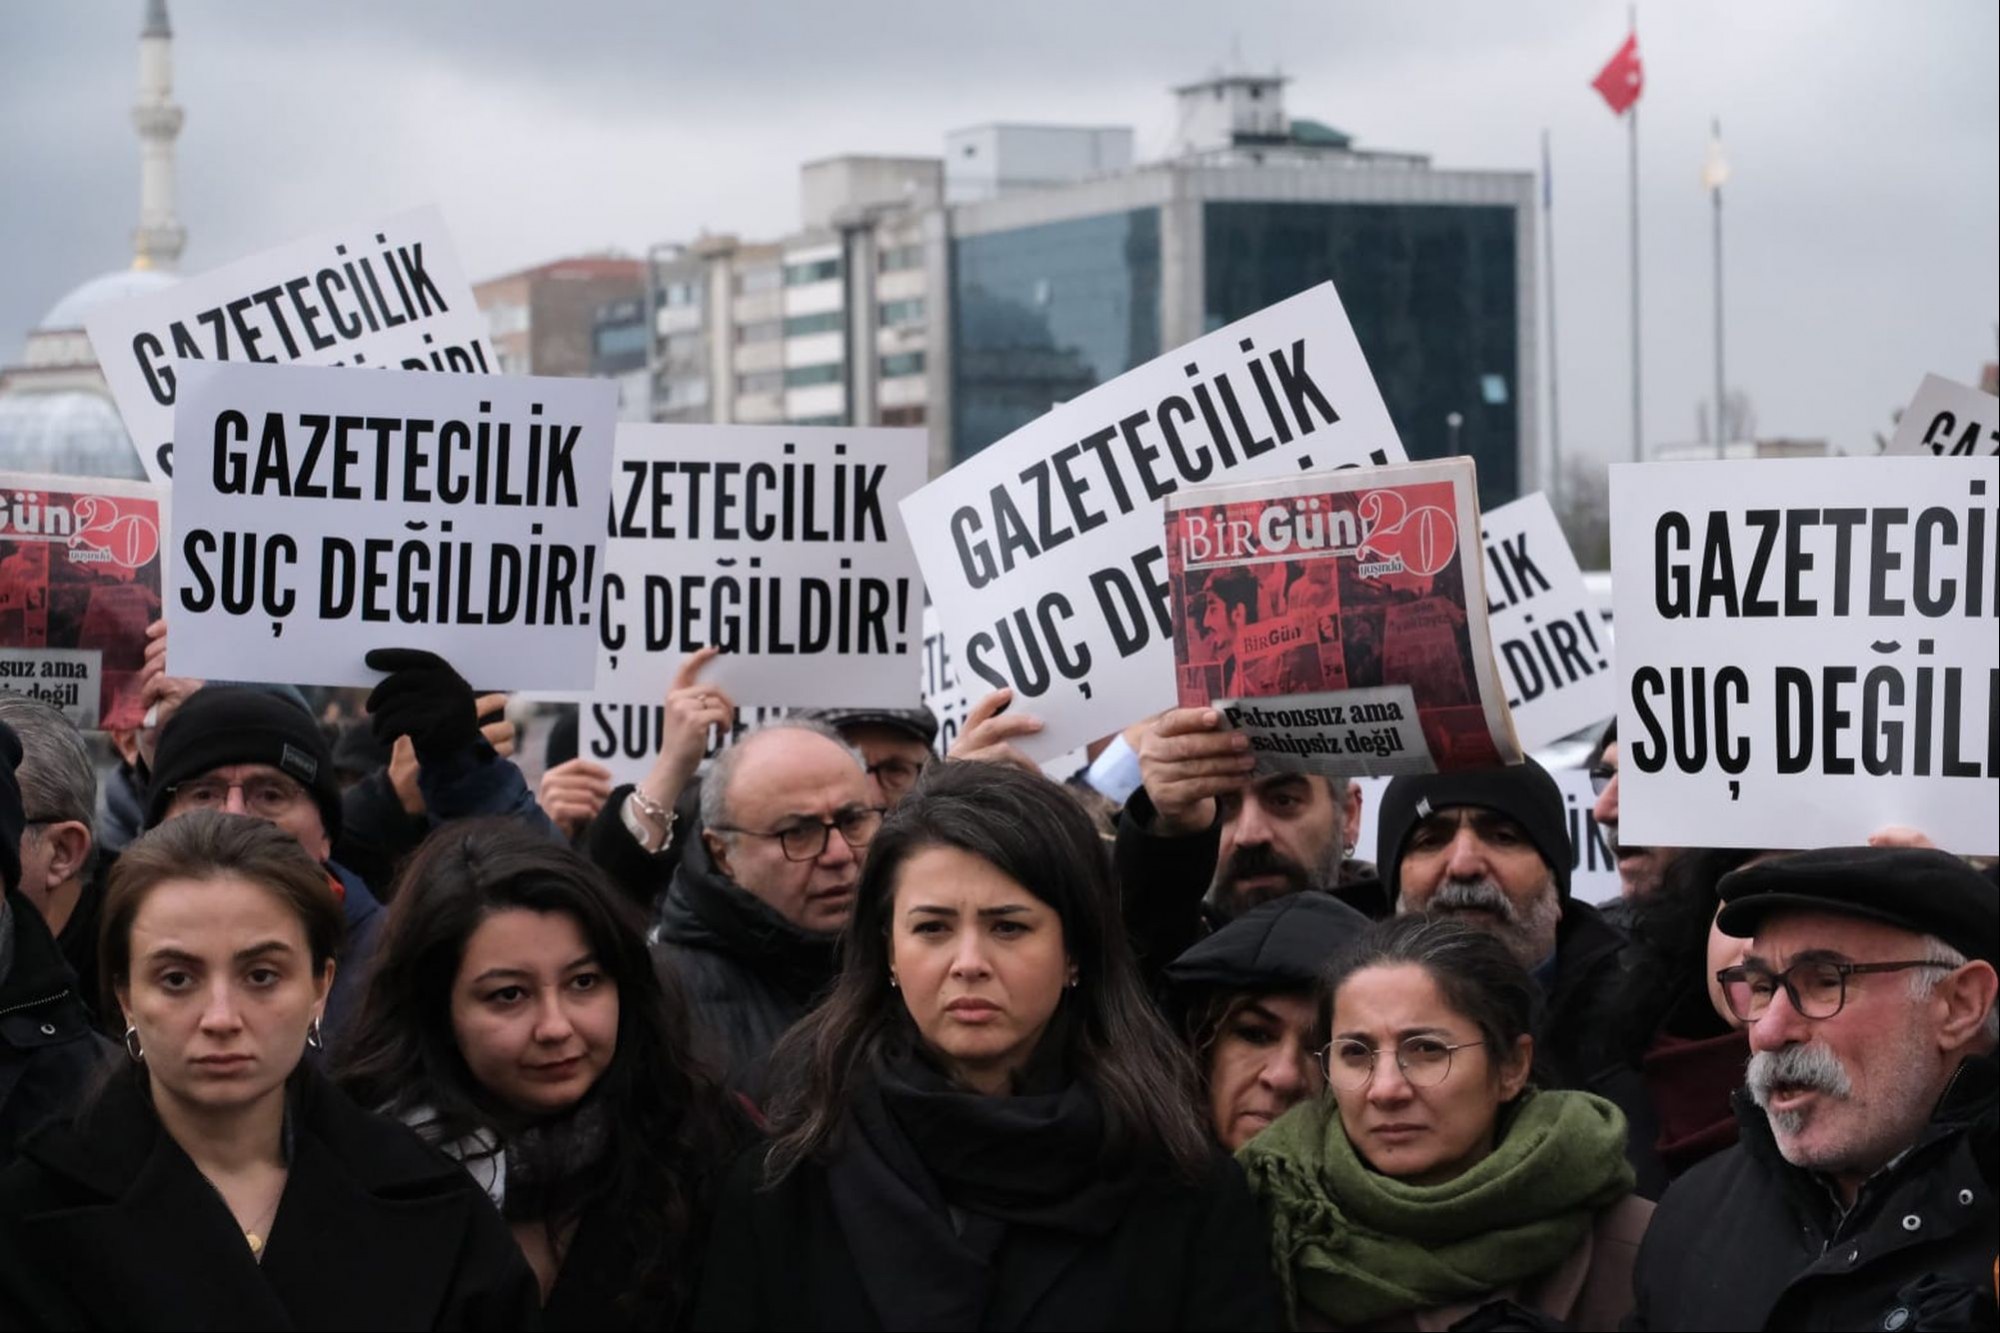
(1339, 619)
(1553, 647)
(320, 514)
(1593, 865)
(390, 294)
(782, 545)
(1949, 420)
(625, 737)
(1043, 551)
(1808, 651)
(79, 581)
(944, 692)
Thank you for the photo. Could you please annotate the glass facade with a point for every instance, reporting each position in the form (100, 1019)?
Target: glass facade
(827, 321)
(902, 363)
(1041, 314)
(1430, 289)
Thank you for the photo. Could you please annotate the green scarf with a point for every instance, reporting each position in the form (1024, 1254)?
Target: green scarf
(1357, 1246)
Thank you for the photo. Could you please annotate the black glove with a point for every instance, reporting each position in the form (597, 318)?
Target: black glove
(424, 699)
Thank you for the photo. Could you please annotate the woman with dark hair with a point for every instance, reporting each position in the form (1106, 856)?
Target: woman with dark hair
(1432, 1182)
(985, 1125)
(515, 1020)
(1246, 998)
(219, 1181)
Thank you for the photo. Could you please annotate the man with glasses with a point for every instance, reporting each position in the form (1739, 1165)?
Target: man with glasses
(1861, 1193)
(758, 900)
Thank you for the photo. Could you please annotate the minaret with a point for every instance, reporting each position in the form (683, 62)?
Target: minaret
(157, 242)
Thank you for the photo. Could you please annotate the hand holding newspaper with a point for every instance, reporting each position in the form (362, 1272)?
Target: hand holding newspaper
(1339, 619)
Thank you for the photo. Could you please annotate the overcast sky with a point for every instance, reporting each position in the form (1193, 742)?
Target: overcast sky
(1863, 215)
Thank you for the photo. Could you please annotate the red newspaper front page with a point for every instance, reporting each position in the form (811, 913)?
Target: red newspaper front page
(79, 581)
(1340, 619)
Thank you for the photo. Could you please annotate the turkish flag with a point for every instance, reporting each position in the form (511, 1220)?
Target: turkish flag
(1621, 80)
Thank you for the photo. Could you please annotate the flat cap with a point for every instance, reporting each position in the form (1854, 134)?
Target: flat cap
(1279, 945)
(1919, 889)
(920, 724)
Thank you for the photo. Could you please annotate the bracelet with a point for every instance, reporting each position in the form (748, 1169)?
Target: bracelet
(653, 810)
(641, 834)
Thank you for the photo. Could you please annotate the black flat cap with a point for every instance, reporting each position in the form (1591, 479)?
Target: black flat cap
(1919, 889)
(920, 724)
(1279, 945)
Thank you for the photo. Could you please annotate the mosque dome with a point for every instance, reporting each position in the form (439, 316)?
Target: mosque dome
(121, 284)
(69, 432)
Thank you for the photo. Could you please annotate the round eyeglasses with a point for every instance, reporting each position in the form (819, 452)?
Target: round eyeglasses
(1425, 1062)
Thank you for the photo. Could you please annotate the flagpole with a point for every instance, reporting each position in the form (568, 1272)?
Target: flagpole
(1720, 381)
(1549, 267)
(1632, 172)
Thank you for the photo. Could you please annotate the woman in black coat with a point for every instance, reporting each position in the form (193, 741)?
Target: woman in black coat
(516, 1021)
(986, 1126)
(220, 1182)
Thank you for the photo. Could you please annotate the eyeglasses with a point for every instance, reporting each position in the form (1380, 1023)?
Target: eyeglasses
(896, 775)
(805, 840)
(1425, 1061)
(1817, 988)
(267, 795)
(1600, 777)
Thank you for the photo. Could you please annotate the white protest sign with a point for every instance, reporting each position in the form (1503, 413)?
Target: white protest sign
(945, 693)
(387, 294)
(1593, 866)
(783, 546)
(625, 738)
(1807, 651)
(319, 514)
(1043, 552)
(1553, 648)
(1948, 420)
(68, 679)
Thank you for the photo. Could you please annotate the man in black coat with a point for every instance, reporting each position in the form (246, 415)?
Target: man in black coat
(47, 1047)
(764, 887)
(1862, 1191)
(61, 872)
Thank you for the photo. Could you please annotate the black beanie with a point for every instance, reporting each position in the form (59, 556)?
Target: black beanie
(1525, 793)
(236, 724)
(13, 816)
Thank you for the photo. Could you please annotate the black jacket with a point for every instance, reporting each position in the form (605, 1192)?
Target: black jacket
(1184, 1257)
(106, 1223)
(643, 876)
(1747, 1241)
(1587, 967)
(747, 972)
(48, 1047)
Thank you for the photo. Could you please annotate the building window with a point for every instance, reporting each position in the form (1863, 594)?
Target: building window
(892, 313)
(903, 416)
(800, 377)
(760, 381)
(502, 320)
(753, 280)
(680, 294)
(818, 270)
(832, 419)
(898, 258)
(761, 332)
(829, 321)
(684, 391)
(902, 363)
(683, 347)
(620, 340)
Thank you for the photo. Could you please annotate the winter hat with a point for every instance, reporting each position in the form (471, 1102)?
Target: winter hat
(920, 724)
(1279, 945)
(1524, 793)
(13, 816)
(1920, 889)
(236, 724)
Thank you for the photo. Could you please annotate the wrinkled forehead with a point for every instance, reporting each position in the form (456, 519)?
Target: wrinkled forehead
(1788, 934)
(794, 773)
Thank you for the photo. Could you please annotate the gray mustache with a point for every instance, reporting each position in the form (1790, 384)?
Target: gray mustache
(1811, 1066)
(1476, 895)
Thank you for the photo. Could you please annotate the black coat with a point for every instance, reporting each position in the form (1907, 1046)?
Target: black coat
(1747, 1241)
(1184, 1257)
(747, 972)
(106, 1223)
(48, 1047)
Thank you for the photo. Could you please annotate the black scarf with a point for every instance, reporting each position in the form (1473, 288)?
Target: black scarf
(930, 1180)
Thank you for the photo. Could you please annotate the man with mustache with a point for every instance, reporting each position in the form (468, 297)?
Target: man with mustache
(1862, 1191)
(1492, 848)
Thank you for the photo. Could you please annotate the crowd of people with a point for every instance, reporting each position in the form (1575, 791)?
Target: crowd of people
(823, 1030)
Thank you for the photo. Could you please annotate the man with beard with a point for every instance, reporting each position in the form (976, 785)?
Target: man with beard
(1492, 847)
(1204, 840)
(1640, 869)
(1861, 1193)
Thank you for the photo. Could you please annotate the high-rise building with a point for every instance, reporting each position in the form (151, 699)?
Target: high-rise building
(1033, 262)
(541, 319)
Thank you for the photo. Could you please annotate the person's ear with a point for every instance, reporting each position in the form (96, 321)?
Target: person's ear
(1514, 1069)
(69, 848)
(322, 987)
(718, 852)
(1967, 995)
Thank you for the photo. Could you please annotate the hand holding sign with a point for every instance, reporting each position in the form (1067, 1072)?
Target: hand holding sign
(1186, 761)
(691, 708)
(422, 698)
(989, 731)
(573, 792)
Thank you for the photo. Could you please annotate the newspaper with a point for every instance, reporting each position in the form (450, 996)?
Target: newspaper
(79, 581)
(1328, 616)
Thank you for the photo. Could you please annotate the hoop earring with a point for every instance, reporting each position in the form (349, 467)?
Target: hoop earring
(312, 1035)
(133, 1047)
